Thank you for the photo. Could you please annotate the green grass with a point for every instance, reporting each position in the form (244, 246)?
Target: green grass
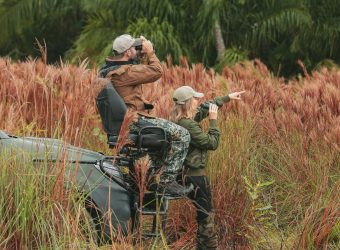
(269, 192)
(289, 194)
(33, 213)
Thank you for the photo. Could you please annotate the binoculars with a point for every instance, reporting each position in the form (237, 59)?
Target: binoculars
(139, 45)
(205, 105)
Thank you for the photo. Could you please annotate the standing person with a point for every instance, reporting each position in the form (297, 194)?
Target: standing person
(188, 114)
(128, 78)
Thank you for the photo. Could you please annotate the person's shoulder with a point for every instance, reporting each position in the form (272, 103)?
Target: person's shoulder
(119, 70)
(187, 122)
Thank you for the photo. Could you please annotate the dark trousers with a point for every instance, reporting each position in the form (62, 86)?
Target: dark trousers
(201, 197)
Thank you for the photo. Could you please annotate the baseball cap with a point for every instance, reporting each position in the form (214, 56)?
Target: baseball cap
(125, 42)
(184, 93)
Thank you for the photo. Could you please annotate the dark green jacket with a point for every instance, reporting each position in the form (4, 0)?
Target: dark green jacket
(201, 142)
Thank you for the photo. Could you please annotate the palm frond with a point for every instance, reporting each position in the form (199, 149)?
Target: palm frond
(161, 34)
(96, 5)
(231, 57)
(24, 20)
(15, 15)
(95, 40)
(324, 36)
(208, 14)
(277, 18)
(165, 10)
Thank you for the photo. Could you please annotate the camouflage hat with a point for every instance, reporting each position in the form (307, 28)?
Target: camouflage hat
(184, 93)
(125, 42)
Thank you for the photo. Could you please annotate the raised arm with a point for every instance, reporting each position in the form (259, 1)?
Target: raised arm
(203, 109)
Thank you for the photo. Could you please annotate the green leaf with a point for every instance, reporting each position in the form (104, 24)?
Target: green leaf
(161, 34)
(267, 183)
(268, 207)
(231, 57)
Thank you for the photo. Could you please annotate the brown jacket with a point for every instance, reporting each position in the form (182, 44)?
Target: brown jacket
(129, 79)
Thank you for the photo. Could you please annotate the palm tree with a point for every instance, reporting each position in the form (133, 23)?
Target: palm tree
(23, 21)
(285, 31)
(322, 40)
(275, 31)
(109, 18)
(215, 32)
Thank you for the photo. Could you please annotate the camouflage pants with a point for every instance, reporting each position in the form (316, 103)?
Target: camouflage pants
(201, 197)
(179, 139)
(206, 233)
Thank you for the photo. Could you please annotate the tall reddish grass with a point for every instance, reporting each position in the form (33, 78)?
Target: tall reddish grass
(45, 99)
(48, 97)
(288, 132)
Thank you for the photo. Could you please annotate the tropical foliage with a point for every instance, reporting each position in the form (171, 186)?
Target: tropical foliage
(24, 22)
(209, 31)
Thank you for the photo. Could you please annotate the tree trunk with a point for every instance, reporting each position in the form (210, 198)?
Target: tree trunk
(220, 46)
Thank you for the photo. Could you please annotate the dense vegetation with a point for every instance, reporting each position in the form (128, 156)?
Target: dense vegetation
(215, 32)
(275, 176)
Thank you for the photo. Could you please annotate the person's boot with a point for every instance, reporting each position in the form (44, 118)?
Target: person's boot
(173, 189)
(206, 234)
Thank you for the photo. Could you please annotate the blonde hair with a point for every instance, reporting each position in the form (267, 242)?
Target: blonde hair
(180, 111)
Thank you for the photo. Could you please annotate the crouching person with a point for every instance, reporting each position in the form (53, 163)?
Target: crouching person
(128, 77)
(187, 113)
